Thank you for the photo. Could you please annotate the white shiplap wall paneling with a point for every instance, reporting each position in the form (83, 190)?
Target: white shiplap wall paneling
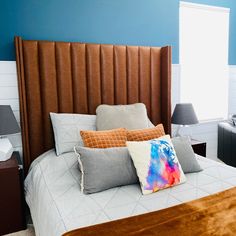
(9, 96)
(232, 90)
(8, 67)
(206, 132)
(175, 86)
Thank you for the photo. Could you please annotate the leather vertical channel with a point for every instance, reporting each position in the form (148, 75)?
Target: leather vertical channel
(64, 77)
(133, 74)
(165, 98)
(93, 76)
(79, 77)
(107, 74)
(49, 96)
(33, 95)
(120, 72)
(156, 85)
(23, 102)
(145, 78)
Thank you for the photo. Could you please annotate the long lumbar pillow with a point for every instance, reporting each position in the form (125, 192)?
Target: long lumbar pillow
(145, 134)
(105, 138)
(186, 155)
(104, 168)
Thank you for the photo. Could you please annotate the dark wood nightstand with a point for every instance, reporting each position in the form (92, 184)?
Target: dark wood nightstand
(199, 147)
(12, 215)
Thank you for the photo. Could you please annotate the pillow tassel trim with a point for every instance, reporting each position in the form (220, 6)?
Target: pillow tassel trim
(81, 169)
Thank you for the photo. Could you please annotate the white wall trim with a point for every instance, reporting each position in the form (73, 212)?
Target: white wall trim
(203, 7)
(7, 67)
(9, 96)
(232, 89)
(175, 85)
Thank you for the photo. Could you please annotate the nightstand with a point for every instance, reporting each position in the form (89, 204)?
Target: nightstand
(199, 147)
(12, 215)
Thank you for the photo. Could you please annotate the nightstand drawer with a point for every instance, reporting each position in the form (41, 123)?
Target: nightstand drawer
(11, 202)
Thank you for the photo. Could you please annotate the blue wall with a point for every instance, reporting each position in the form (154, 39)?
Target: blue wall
(133, 22)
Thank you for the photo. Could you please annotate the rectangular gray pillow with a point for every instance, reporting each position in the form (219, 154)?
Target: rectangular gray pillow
(122, 116)
(66, 129)
(106, 168)
(186, 155)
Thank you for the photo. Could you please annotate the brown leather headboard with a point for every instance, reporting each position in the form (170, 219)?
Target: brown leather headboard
(77, 77)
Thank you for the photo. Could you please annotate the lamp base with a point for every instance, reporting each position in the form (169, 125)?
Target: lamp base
(6, 149)
(183, 134)
(177, 133)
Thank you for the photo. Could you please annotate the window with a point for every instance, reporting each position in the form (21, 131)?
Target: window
(204, 33)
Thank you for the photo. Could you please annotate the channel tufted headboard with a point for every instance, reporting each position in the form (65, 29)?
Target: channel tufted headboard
(77, 77)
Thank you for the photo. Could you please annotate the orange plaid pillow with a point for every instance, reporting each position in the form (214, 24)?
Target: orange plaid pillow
(145, 134)
(104, 139)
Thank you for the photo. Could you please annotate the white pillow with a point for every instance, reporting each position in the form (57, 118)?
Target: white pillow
(66, 128)
(156, 164)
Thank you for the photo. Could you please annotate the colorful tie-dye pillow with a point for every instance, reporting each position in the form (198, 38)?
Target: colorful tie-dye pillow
(156, 164)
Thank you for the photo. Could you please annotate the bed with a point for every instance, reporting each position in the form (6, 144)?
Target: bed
(75, 77)
(58, 206)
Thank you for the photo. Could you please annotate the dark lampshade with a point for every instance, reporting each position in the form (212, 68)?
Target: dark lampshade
(8, 123)
(184, 114)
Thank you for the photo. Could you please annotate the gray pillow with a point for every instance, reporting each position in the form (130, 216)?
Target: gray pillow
(122, 116)
(105, 168)
(185, 154)
(66, 129)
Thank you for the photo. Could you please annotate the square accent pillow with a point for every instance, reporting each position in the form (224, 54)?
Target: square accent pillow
(132, 116)
(145, 134)
(104, 168)
(66, 129)
(186, 155)
(104, 139)
(156, 164)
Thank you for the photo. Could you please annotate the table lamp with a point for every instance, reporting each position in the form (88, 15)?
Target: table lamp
(8, 125)
(183, 115)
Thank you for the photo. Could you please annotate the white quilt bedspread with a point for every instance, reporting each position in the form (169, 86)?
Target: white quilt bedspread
(57, 205)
